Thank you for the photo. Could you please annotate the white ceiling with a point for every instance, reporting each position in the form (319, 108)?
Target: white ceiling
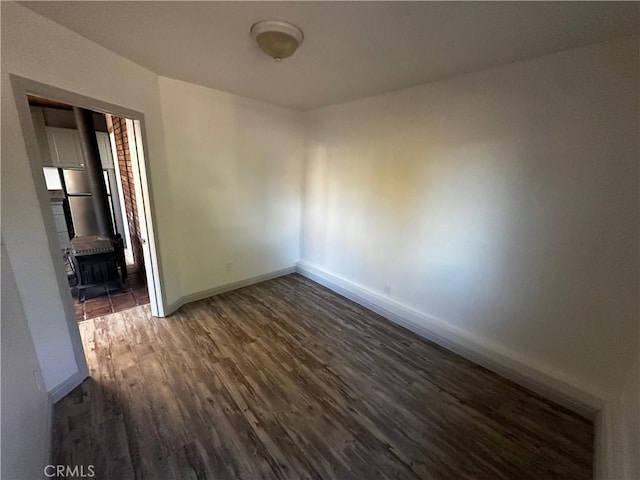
(351, 49)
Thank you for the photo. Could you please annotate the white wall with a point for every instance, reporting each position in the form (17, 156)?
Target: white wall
(25, 403)
(235, 166)
(502, 204)
(56, 56)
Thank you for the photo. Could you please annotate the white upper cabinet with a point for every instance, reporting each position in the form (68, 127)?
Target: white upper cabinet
(64, 146)
(66, 152)
(104, 146)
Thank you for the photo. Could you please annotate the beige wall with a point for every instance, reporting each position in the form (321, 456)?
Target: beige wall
(235, 166)
(502, 204)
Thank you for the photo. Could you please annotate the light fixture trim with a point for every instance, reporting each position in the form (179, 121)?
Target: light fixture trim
(266, 27)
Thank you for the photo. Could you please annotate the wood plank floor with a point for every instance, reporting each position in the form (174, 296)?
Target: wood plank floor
(285, 379)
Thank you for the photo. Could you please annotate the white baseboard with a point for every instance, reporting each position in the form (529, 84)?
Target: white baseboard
(617, 427)
(193, 297)
(608, 459)
(63, 388)
(582, 399)
(49, 431)
(601, 445)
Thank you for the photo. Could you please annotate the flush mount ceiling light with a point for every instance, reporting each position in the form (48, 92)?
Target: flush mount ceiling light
(276, 38)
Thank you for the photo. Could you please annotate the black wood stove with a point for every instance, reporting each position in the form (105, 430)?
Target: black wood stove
(98, 262)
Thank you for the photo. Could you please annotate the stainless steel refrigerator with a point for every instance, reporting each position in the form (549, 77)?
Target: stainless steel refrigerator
(81, 204)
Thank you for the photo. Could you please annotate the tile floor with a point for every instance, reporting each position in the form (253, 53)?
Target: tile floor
(100, 302)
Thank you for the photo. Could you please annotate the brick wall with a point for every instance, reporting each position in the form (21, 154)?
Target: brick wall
(128, 190)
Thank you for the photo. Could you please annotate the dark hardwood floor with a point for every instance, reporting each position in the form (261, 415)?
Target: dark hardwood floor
(285, 379)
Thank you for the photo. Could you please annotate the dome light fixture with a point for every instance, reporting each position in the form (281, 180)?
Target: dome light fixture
(276, 38)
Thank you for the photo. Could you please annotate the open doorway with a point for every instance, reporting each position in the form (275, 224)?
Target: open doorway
(23, 88)
(104, 265)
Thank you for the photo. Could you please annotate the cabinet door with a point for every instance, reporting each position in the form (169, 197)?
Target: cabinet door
(104, 146)
(64, 147)
(66, 152)
(41, 135)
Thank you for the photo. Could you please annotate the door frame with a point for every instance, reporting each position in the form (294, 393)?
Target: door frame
(137, 151)
(21, 88)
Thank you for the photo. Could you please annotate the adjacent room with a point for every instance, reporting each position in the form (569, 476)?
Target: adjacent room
(104, 275)
(320, 240)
